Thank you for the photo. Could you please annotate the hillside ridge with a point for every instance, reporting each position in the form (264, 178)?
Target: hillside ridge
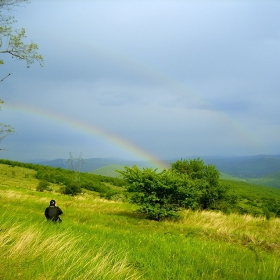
(259, 169)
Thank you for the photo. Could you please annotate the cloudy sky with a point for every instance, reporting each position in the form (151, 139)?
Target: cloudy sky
(140, 79)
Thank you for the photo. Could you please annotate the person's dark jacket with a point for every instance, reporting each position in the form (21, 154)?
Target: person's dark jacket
(52, 213)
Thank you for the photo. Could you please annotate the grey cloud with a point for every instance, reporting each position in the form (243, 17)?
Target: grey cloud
(173, 77)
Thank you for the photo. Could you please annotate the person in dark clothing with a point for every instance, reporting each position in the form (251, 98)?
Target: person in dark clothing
(53, 212)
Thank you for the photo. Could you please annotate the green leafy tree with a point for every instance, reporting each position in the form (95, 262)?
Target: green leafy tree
(72, 188)
(157, 194)
(206, 179)
(187, 184)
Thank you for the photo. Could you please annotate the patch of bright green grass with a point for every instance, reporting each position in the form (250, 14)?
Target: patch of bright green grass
(254, 199)
(109, 170)
(100, 239)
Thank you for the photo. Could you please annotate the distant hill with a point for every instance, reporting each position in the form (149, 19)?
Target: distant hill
(91, 164)
(272, 180)
(226, 176)
(246, 167)
(109, 170)
(261, 170)
(88, 165)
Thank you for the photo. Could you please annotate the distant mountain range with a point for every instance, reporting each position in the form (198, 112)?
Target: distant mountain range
(263, 168)
(242, 167)
(246, 167)
(91, 164)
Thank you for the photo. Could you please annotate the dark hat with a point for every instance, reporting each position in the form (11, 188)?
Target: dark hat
(52, 202)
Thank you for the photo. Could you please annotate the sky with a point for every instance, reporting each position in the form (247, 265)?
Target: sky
(144, 80)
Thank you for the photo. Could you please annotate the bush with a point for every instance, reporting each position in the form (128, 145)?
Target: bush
(159, 195)
(71, 189)
(42, 186)
(114, 195)
(188, 184)
(206, 180)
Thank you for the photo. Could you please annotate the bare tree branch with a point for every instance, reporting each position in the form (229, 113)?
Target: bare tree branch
(5, 77)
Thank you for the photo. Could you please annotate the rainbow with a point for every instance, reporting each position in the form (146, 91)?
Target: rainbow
(89, 129)
(243, 134)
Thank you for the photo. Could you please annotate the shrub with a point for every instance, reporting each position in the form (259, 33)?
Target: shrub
(42, 185)
(114, 195)
(188, 184)
(159, 195)
(72, 188)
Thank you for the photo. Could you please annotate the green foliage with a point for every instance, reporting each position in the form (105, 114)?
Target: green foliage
(95, 240)
(272, 180)
(12, 42)
(206, 179)
(16, 46)
(157, 194)
(233, 196)
(199, 245)
(252, 199)
(196, 169)
(64, 177)
(114, 195)
(188, 184)
(42, 185)
(5, 130)
(72, 188)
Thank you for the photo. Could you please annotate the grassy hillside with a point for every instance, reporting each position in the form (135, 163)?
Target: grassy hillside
(254, 199)
(226, 176)
(272, 180)
(101, 239)
(109, 170)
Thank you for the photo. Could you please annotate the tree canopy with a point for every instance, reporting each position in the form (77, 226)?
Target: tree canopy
(188, 184)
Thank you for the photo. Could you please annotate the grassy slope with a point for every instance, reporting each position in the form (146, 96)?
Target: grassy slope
(272, 180)
(101, 239)
(109, 170)
(226, 176)
(254, 199)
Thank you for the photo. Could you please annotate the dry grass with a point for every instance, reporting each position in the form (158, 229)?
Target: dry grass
(56, 255)
(239, 229)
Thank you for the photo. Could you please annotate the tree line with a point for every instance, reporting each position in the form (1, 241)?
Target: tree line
(68, 180)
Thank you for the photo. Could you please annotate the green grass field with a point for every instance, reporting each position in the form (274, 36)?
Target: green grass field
(101, 239)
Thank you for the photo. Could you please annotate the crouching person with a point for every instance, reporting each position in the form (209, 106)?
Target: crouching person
(53, 212)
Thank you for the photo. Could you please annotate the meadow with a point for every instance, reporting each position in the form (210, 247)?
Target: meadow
(105, 239)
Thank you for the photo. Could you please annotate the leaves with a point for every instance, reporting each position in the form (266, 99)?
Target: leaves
(18, 49)
(188, 184)
(16, 44)
(5, 130)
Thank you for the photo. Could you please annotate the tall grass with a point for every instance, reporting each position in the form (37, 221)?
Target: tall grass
(100, 239)
(41, 251)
